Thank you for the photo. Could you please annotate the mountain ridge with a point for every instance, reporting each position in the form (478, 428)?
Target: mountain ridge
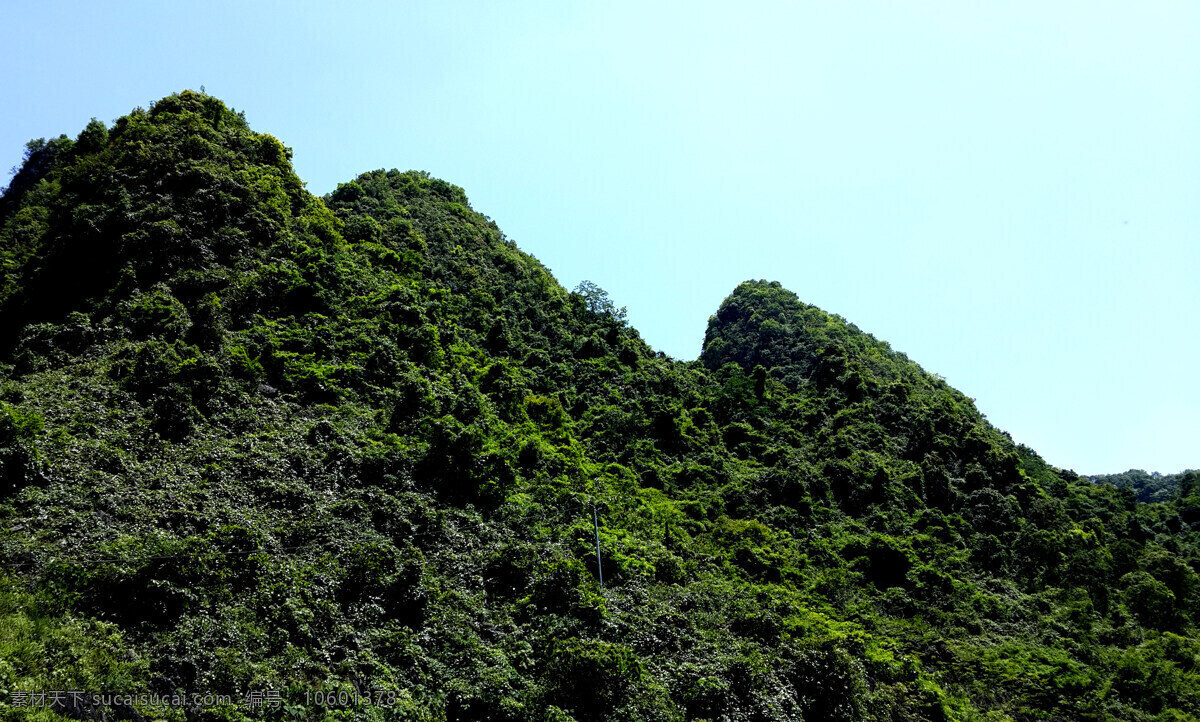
(252, 438)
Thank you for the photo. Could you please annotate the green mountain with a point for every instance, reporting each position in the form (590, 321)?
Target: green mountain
(343, 457)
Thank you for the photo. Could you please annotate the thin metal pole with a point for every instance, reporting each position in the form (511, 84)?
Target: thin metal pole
(596, 521)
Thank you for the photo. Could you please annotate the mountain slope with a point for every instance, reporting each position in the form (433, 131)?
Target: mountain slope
(255, 439)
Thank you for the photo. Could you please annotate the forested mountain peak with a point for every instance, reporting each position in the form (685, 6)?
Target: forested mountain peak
(178, 195)
(763, 324)
(255, 439)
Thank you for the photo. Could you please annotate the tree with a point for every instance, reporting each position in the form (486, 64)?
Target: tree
(597, 301)
(93, 138)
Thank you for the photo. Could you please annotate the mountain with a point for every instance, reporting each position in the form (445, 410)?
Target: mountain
(358, 456)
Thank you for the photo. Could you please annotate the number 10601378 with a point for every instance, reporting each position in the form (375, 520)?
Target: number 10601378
(350, 698)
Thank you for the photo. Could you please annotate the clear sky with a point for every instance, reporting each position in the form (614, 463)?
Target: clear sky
(1008, 192)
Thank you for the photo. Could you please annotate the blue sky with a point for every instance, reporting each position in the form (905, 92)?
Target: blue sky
(1008, 192)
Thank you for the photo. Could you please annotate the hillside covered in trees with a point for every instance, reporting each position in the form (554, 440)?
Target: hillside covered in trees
(252, 439)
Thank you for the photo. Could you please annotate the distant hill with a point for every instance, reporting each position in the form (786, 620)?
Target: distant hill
(1150, 487)
(362, 456)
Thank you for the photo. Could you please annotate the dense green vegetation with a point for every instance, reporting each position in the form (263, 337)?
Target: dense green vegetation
(253, 439)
